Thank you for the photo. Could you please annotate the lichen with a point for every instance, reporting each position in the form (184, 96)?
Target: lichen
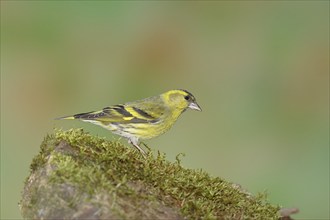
(115, 179)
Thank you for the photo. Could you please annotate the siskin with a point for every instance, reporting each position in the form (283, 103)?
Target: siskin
(142, 119)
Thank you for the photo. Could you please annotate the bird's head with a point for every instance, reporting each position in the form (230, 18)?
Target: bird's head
(180, 99)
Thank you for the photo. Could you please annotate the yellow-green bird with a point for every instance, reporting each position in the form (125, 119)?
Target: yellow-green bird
(143, 119)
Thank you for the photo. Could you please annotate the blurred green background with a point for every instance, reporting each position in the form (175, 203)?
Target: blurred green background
(259, 70)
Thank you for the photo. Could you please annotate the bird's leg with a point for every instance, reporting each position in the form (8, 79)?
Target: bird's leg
(134, 143)
(141, 150)
(144, 144)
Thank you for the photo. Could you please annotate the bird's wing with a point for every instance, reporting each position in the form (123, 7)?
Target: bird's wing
(135, 112)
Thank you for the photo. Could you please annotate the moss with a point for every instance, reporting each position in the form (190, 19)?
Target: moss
(113, 180)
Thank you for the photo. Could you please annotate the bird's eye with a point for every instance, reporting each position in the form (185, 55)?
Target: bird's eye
(187, 97)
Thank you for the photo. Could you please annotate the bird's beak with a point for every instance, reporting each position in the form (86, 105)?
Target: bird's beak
(194, 106)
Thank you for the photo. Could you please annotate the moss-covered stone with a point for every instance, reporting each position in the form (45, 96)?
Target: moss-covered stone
(77, 175)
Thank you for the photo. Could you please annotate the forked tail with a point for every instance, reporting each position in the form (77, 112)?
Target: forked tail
(82, 116)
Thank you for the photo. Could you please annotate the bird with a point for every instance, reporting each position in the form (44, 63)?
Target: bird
(142, 119)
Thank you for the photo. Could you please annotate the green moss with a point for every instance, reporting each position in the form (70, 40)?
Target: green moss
(94, 165)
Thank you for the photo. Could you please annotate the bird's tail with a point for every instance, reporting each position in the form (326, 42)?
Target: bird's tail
(84, 116)
(66, 117)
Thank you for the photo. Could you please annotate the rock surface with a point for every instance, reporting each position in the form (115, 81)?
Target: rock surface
(78, 176)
